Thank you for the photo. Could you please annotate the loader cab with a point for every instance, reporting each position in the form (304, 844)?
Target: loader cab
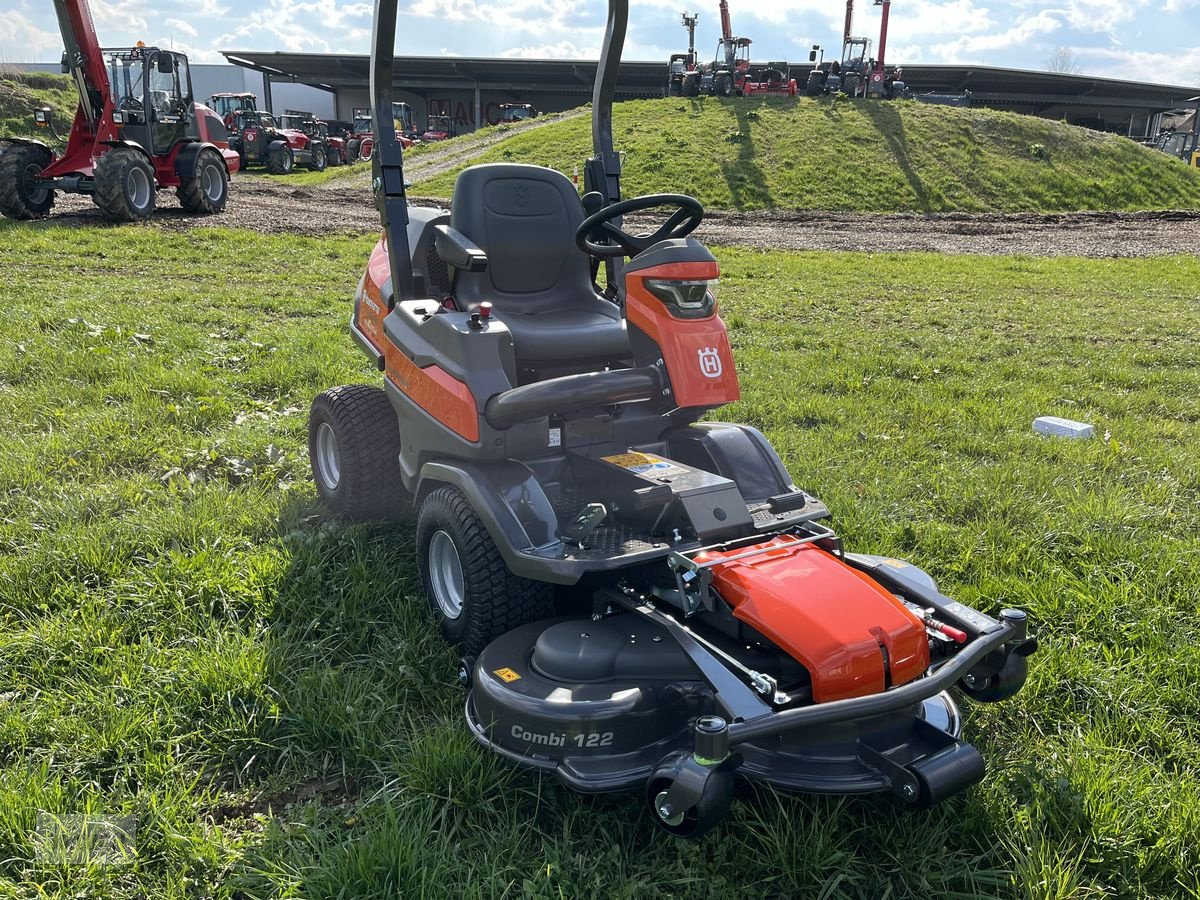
(151, 96)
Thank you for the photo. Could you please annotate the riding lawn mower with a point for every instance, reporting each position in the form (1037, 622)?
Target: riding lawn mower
(550, 432)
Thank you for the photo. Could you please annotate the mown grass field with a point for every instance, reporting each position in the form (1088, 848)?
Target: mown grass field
(188, 642)
(865, 156)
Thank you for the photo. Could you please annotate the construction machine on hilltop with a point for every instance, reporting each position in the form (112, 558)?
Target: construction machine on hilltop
(857, 73)
(682, 65)
(137, 129)
(731, 72)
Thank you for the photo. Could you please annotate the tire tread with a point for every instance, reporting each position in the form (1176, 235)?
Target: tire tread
(500, 601)
(369, 447)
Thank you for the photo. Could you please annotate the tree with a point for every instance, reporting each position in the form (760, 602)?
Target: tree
(1063, 61)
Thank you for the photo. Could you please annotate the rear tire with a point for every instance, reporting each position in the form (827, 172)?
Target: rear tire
(815, 84)
(125, 190)
(335, 157)
(19, 198)
(318, 159)
(207, 191)
(354, 448)
(280, 160)
(472, 594)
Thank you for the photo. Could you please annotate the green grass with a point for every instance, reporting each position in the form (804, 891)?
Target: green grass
(23, 92)
(838, 154)
(187, 639)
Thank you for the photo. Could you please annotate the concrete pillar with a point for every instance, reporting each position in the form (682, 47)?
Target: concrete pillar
(267, 105)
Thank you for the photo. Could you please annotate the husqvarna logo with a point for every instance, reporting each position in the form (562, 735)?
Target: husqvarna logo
(710, 362)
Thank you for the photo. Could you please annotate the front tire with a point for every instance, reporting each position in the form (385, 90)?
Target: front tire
(352, 148)
(691, 85)
(318, 159)
(723, 86)
(20, 196)
(354, 448)
(207, 191)
(280, 160)
(472, 594)
(125, 189)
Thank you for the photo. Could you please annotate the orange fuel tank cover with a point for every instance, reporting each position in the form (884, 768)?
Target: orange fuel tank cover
(845, 629)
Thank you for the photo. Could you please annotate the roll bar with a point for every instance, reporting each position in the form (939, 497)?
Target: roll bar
(602, 172)
(387, 162)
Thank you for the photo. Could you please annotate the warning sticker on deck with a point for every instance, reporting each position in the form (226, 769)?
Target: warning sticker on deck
(644, 464)
(507, 675)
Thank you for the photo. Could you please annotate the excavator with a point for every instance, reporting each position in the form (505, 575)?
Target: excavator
(729, 73)
(138, 129)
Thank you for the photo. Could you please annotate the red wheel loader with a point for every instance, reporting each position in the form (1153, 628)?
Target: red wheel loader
(137, 130)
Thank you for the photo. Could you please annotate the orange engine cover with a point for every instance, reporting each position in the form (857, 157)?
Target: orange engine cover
(832, 619)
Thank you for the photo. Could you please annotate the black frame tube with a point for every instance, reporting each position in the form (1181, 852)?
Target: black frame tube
(387, 161)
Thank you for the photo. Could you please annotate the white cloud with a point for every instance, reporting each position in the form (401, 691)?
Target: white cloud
(1180, 68)
(16, 31)
(178, 26)
(561, 50)
(969, 48)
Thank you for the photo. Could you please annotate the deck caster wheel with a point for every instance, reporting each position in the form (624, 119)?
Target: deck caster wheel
(466, 668)
(714, 802)
(998, 686)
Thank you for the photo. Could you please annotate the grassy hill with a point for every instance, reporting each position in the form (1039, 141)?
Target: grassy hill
(23, 92)
(838, 154)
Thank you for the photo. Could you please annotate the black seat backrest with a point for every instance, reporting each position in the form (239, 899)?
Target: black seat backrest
(524, 217)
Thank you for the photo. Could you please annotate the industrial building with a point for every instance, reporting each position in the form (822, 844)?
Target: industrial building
(470, 90)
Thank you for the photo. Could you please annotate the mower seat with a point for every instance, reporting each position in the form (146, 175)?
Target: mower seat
(539, 283)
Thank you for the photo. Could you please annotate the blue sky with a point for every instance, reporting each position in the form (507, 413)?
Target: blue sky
(1152, 40)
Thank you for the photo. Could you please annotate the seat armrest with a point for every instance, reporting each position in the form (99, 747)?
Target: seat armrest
(458, 250)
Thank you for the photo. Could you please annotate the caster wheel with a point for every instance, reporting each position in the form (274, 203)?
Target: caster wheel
(466, 667)
(716, 798)
(997, 687)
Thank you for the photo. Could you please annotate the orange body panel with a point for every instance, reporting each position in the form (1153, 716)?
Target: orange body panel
(829, 617)
(696, 352)
(432, 388)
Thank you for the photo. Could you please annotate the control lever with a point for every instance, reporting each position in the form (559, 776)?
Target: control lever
(585, 522)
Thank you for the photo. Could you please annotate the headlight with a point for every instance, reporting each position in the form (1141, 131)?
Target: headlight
(684, 299)
(119, 118)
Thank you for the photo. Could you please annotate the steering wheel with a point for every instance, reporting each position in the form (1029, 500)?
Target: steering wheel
(688, 214)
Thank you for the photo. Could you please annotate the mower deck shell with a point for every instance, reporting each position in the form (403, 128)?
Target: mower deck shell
(599, 704)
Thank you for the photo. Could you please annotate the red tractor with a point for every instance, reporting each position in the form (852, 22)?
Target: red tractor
(730, 73)
(258, 139)
(361, 144)
(137, 129)
(317, 130)
(438, 128)
(225, 104)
